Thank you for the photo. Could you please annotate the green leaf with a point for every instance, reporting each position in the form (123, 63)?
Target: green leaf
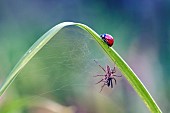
(121, 64)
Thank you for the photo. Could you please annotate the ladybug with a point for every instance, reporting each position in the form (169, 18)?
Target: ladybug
(108, 39)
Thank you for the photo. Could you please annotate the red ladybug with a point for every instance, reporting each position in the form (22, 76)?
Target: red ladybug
(108, 39)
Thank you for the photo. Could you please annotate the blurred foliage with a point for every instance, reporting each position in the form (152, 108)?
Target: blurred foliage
(141, 32)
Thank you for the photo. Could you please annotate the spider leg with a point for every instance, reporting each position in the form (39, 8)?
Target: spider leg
(102, 86)
(114, 69)
(108, 82)
(108, 69)
(111, 83)
(100, 66)
(117, 75)
(114, 80)
(98, 75)
(99, 81)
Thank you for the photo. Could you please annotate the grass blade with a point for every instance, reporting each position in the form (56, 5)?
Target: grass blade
(121, 64)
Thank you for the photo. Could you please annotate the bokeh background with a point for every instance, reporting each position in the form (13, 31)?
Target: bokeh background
(142, 37)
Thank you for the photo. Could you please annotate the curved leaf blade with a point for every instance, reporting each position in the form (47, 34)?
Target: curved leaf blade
(121, 64)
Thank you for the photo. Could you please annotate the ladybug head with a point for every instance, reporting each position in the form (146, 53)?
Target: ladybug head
(103, 36)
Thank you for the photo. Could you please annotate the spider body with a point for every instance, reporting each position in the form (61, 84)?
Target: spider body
(107, 77)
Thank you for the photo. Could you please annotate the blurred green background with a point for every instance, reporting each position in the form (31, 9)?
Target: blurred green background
(141, 30)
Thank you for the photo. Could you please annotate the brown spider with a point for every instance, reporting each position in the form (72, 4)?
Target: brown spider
(108, 76)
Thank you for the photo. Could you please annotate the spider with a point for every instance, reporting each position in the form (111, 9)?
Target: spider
(108, 76)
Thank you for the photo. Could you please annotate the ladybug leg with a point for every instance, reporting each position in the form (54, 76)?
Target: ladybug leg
(105, 41)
